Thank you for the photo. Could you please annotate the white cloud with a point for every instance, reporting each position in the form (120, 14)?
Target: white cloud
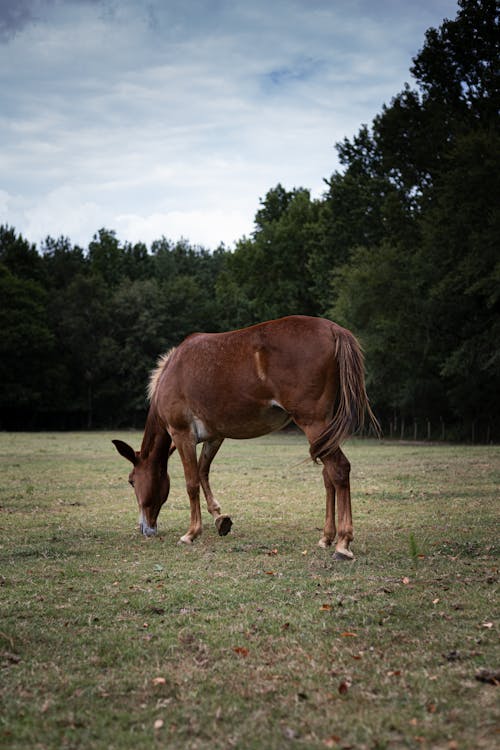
(178, 116)
(205, 228)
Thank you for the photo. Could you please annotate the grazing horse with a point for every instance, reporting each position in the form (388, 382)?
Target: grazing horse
(243, 384)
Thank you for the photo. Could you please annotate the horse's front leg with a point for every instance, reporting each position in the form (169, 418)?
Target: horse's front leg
(187, 451)
(223, 523)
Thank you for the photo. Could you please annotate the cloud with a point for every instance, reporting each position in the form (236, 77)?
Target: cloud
(15, 15)
(205, 228)
(161, 115)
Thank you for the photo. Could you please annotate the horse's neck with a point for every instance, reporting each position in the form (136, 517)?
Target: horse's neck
(156, 440)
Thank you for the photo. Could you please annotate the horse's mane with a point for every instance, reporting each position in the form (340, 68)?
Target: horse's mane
(156, 373)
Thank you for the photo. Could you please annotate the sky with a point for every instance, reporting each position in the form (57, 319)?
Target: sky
(173, 118)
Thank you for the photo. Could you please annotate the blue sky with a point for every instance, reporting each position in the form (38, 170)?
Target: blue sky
(174, 117)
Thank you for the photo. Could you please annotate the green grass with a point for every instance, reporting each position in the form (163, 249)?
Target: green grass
(258, 639)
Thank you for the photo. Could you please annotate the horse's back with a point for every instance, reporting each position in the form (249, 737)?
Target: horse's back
(247, 375)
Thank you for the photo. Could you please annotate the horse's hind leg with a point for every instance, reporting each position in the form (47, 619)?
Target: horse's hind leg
(329, 530)
(338, 469)
(223, 523)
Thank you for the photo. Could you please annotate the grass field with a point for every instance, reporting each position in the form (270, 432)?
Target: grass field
(258, 639)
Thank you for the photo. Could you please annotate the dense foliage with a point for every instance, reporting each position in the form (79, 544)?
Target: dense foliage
(402, 248)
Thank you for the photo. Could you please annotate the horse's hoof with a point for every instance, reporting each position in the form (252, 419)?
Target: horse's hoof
(324, 543)
(343, 556)
(186, 539)
(223, 525)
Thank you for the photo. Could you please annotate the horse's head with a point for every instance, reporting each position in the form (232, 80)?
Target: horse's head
(151, 483)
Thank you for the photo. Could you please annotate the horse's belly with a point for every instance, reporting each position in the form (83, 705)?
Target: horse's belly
(254, 424)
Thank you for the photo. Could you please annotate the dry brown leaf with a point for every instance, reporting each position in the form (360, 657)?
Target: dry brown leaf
(241, 651)
(344, 687)
(331, 741)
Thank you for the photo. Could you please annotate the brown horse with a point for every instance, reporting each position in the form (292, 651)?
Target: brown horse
(243, 384)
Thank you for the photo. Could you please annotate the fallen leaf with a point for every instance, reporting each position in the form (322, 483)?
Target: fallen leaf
(344, 687)
(394, 673)
(304, 552)
(325, 607)
(285, 626)
(241, 651)
(348, 634)
(435, 601)
(158, 681)
(158, 724)
(431, 708)
(269, 572)
(488, 625)
(406, 580)
(331, 741)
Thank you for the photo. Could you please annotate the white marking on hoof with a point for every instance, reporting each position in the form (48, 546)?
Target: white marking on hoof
(324, 542)
(186, 539)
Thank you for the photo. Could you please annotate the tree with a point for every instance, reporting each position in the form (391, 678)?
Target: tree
(26, 347)
(271, 268)
(430, 276)
(19, 256)
(106, 257)
(85, 345)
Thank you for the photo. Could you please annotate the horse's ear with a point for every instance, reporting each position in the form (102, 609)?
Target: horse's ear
(125, 450)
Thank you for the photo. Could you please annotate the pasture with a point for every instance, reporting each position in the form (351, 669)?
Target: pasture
(258, 639)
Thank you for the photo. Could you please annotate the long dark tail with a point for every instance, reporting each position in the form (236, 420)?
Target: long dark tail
(352, 406)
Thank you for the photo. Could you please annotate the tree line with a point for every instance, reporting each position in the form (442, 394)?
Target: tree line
(402, 248)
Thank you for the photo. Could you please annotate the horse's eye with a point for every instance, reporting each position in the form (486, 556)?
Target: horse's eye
(131, 481)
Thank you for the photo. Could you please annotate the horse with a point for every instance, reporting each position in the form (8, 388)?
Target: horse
(243, 384)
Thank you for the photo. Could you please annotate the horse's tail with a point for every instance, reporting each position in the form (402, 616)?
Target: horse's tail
(352, 406)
